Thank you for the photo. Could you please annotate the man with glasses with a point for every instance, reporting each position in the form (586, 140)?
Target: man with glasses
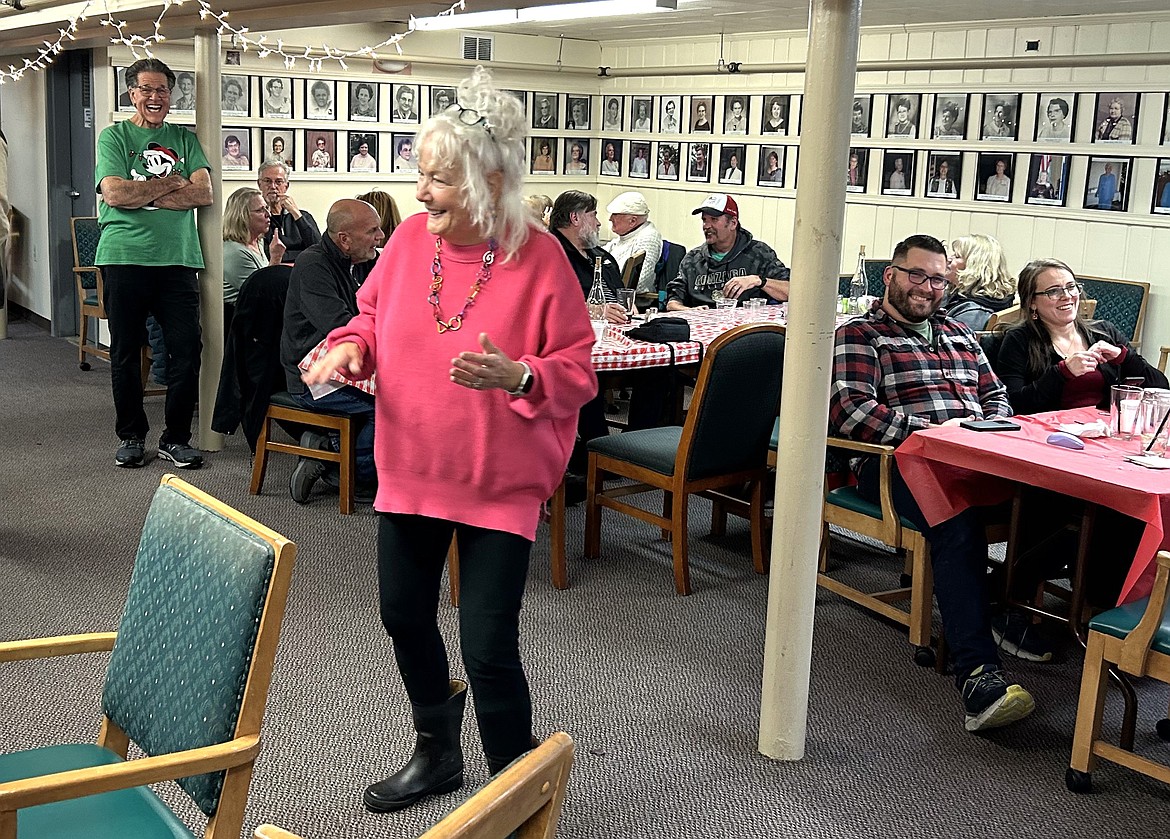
(296, 228)
(150, 177)
(902, 367)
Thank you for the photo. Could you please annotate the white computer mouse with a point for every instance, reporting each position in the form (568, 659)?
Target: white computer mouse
(1065, 440)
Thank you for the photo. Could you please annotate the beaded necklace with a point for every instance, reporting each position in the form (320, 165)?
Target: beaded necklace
(455, 322)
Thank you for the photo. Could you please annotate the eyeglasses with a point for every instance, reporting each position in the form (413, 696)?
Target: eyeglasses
(469, 116)
(273, 182)
(919, 277)
(147, 90)
(1066, 290)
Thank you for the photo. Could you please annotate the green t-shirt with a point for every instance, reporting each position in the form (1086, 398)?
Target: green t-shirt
(147, 235)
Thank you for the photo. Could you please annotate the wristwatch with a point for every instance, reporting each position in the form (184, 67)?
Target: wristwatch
(526, 380)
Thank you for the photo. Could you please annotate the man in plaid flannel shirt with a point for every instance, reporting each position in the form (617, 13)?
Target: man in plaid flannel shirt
(905, 366)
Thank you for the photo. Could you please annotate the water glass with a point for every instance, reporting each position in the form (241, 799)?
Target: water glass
(1155, 427)
(626, 299)
(599, 327)
(726, 303)
(1125, 403)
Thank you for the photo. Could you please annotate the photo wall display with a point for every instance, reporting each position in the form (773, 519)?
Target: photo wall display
(950, 116)
(278, 144)
(771, 169)
(576, 156)
(993, 177)
(1001, 116)
(944, 171)
(236, 148)
(897, 172)
(857, 172)
(1161, 201)
(1107, 184)
(1048, 179)
(611, 157)
(699, 162)
(1115, 118)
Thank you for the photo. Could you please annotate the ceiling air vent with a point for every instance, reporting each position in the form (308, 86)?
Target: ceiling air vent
(476, 48)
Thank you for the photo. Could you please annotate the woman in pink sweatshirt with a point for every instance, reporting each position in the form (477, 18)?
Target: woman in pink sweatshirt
(474, 323)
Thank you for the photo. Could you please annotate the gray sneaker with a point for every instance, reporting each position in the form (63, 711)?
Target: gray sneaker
(991, 701)
(183, 455)
(131, 453)
(306, 473)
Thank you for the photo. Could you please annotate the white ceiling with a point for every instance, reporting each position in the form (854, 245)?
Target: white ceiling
(711, 17)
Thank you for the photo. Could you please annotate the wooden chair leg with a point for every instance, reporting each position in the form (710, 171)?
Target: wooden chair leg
(678, 527)
(760, 557)
(83, 336)
(718, 518)
(592, 509)
(453, 570)
(1090, 706)
(921, 593)
(823, 554)
(667, 511)
(346, 474)
(556, 535)
(260, 458)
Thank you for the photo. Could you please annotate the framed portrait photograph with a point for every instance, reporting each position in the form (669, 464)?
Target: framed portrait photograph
(670, 115)
(641, 114)
(950, 116)
(944, 170)
(897, 172)
(234, 96)
(1161, 201)
(611, 157)
(1166, 121)
(771, 170)
(320, 99)
(702, 111)
(1055, 117)
(731, 156)
(1001, 116)
(857, 172)
(363, 101)
(666, 168)
(405, 162)
(544, 111)
(363, 151)
(183, 96)
(639, 159)
(611, 114)
(278, 144)
(576, 156)
(275, 97)
(577, 113)
(1115, 118)
(544, 156)
(123, 95)
(862, 111)
(1107, 184)
(902, 116)
(735, 114)
(993, 176)
(521, 97)
(320, 150)
(236, 148)
(1048, 179)
(404, 101)
(774, 119)
(442, 98)
(699, 162)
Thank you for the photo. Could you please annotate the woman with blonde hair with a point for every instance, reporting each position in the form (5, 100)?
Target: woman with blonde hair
(388, 215)
(982, 282)
(245, 221)
(540, 206)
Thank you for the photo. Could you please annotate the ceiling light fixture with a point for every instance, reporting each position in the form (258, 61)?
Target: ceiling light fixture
(542, 14)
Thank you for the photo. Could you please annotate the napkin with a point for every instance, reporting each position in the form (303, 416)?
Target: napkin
(1149, 461)
(1085, 430)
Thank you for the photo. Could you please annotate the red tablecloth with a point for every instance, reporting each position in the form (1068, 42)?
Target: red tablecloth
(950, 469)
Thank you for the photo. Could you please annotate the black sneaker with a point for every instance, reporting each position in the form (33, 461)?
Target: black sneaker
(183, 455)
(991, 701)
(131, 453)
(306, 473)
(1017, 635)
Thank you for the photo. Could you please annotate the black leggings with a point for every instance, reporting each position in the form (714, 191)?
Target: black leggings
(493, 568)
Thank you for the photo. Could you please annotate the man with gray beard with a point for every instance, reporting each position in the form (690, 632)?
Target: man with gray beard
(575, 225)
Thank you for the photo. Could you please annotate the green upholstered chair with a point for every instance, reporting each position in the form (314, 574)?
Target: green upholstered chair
(90, 294)
(1135, 638)
(723, 444)
(523, 801)
(187, 682)
(1121, 302)
(845, 508)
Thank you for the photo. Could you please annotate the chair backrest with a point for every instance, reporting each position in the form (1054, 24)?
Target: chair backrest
(526, 798)
(1121, 302)
(255, 344)
(735, 403)
(85, 233)
(666, 269)
(632, 270)
(197, 641)
(1002, 318)
(874, 271)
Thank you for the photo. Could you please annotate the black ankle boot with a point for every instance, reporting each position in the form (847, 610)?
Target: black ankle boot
(437, 763)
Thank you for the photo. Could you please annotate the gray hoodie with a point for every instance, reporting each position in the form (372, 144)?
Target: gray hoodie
(699, 274)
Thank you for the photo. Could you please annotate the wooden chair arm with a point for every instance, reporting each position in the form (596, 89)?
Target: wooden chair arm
(271, 831)
(885, 455)
(858, 446)
(1135, 650)
(78, 783)
(25, 650)
(1163, 354)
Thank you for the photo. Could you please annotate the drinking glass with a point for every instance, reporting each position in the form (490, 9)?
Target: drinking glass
(626, 299)
(1155, 407)
(726, 304)
(1125, 402)
(599, 327)
(755, 307)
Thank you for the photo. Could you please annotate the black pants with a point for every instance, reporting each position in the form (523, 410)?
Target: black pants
(493, 567)
(171, 294)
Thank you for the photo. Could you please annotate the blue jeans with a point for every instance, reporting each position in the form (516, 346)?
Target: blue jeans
(958, 555)
(357, 404)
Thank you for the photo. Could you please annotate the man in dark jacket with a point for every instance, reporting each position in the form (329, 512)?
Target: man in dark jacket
(296, 228)
(730, 263)
(322, 295)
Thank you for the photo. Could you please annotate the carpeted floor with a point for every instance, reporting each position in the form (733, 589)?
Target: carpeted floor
(660, 692)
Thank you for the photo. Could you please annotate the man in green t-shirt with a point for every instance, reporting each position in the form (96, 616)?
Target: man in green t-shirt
(150, 177)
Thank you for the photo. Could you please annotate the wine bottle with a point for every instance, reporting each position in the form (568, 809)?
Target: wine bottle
(596, 299)
(858, 287)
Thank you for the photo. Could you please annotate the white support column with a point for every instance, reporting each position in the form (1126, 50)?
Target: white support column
(816, 259)
(208, 121)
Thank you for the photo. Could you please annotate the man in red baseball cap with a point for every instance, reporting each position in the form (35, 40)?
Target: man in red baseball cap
(729, 263)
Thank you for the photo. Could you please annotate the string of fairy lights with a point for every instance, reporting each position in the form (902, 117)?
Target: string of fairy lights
(238, 36)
